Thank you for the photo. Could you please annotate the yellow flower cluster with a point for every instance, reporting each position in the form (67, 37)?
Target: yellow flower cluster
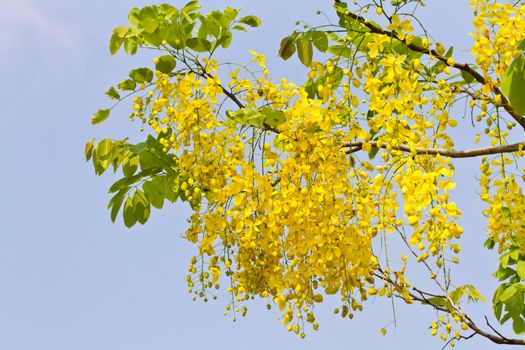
(284, 212)
(499, 28)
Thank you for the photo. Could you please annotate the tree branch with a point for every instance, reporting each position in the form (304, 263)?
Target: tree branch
(475, 152)
(430, 52)
(498, 339)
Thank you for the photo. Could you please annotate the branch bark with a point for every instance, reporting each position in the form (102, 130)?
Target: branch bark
(475, 152)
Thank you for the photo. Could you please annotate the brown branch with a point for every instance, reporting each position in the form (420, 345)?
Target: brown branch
(494, 329)
(475, 152)
(430, 52)
(498, 339)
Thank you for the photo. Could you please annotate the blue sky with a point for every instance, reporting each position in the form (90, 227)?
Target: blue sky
(69, 278)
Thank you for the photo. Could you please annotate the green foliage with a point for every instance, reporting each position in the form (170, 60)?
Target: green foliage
(100, 116)
(157, 176)
(141, 75)
(513, 84)
(113, 94)
(264, 116)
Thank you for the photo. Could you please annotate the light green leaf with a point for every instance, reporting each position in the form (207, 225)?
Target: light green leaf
(88, 150)
(154, 190)
(340, 51)
(141, 75)
(467, 77)
(166, 64)
(150, 25)
(520, 269)
(304, 50)
(102, 156)
(141, 207)
(320, 40)
(116, 203)
(373, 152)
(130, 166)
(113, 94)
(117, 39)
(513, 85)
(239, 28)
(521, 46)
(191, 6)
(508, 293)
(518, 325)
(127, 85)
(198, 44)
(128, 213)
(225, 40)
(130, 45)
(100, 116)
(252, 21)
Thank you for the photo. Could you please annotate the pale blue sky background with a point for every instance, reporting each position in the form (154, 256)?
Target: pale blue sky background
(69, 278)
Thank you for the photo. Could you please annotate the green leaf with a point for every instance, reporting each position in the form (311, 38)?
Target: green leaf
(130, 45)
(373, 152)
(141, 207)
(304, 50)
(320, 40)
(473, 294)
(513, 85)
(102, 156)
(521, 46)
(113, 94)
(518, 325)
(440, 301)
(124, 182)
(100, 116)
(520, 269)
(340, 51)
(117, 39)
(467, 77)
(191, 6)
(225, 40)
(130, 166)
(287, 48)
(252, 21)
(141, 75)
(198, 44)
(148, 160)
(118, 154)
(150, 25)
(127, 85)
(231, 12)
(505, 318)
(166, 64)
(506, 212)
(116, 203)
(489, 243)
(128, 213)
(154, 190)
(497, 308)
(272, 117)
(133, 16)
(88, 150)
(138, 148)
(508, 293)
(239, 28)
(503, 273)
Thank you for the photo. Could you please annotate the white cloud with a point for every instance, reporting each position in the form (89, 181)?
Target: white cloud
(21, 17)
